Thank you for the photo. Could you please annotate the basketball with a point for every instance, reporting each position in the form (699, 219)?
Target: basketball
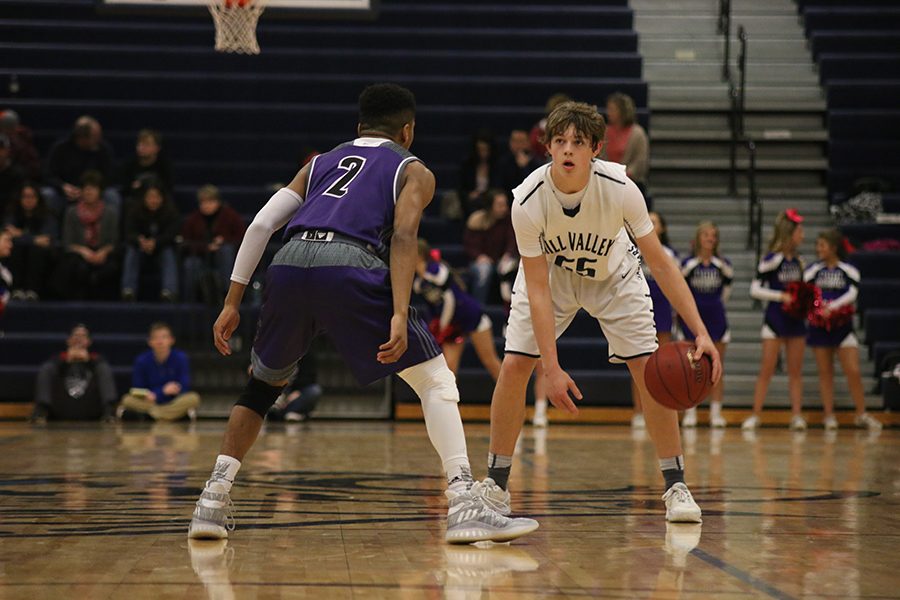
(674, 379)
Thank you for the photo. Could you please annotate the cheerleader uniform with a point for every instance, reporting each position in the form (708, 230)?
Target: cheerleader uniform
(773, 275)
(839, 287)
(662, 308)
(448, 302)
(711, 286)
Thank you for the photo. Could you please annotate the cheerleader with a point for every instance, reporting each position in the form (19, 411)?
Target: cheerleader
(662, 309)
(831, 327)
(780, 267)
(456, 314)
(709, 276)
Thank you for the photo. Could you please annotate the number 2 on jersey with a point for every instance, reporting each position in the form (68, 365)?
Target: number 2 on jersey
(353, 166)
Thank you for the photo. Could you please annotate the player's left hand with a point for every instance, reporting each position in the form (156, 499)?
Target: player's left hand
(224, 326)
(393, 349)
(705, 345)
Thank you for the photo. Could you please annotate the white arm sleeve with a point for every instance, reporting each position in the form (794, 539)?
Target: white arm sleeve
(271, 217)
(763, 293)
(848, 297)
(634, 211)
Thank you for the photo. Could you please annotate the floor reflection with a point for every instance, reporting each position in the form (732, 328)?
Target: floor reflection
(210, 560)
(469, 572)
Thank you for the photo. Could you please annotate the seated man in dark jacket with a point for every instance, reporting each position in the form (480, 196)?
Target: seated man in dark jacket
(76, 385)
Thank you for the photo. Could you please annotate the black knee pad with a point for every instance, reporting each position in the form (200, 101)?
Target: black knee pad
(258, 396)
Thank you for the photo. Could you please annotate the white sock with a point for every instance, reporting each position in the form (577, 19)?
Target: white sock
(435, 384)
(225, 471)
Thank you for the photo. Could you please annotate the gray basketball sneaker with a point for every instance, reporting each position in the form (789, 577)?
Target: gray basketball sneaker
(470, 520)
(492, 495)
(213, 515)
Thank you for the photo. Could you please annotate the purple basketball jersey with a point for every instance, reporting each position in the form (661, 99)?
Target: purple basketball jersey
(352, 190)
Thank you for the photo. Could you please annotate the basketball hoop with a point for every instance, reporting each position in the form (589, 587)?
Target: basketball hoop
(236, 24)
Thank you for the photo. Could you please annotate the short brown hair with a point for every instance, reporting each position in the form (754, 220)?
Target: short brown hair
(209, 191)
(157, 325)
(835, 239)
(586, 119)
(150, 134)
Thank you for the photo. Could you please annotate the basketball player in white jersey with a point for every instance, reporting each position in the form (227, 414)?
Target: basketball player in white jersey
(581, 226)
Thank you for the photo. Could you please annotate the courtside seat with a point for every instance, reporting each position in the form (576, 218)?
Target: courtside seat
(860, 233)
(882, 325)
(878, 351)
(307, 60)
(840, 179)
(877, 265)
(854, 66)
(582, 326)
(19, 381)
(878, 293)
(863, 93)
(867, 124)
(862, 153)
(35, 348)
(818, 18)
(858, 42)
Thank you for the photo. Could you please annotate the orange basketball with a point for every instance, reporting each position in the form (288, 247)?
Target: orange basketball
(675, 379)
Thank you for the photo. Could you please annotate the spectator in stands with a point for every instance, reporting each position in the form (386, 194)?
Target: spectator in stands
(6, 278)
(12, 178)
(76, 385)
(709, 276)
(476, 173)
(662, 308)
(71, 157)
(538, 149)
(34, 232)
(24, 152)
(831, 329)
(89, 267)
(455, 315)
(780, 269)
(150, 230)
(490, 245)
(211, 235)
(148, 163)
(161, 380)
(299, 399)
(517, 163)
(626, 140)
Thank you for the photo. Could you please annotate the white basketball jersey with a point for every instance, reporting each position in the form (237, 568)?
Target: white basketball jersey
(590, 239)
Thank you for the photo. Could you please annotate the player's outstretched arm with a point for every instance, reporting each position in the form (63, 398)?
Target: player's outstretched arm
(679, 294)
(271, 217)
(537, 281)
(415, 194)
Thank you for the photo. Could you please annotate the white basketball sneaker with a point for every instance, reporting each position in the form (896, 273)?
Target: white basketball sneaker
(213, 514)
(540, 414)
(637, 421)
(690, 418)
(798, 423)
(715, 415)
(830, 423)
(750, 423)
(494, 496)
(470, 520)
(869, 422)
(680, 505)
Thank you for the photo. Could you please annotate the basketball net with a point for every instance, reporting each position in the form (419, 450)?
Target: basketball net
(236, 24)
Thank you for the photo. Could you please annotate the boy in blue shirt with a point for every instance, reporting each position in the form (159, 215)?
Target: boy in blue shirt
(161, 380)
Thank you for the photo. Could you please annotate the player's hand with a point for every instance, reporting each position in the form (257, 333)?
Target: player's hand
(224, 326)
(559, 386)
(705, 346)
(393, 349)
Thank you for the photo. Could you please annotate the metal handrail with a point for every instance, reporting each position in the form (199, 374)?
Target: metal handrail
(742, 69)
(725, 29)
(754, 234)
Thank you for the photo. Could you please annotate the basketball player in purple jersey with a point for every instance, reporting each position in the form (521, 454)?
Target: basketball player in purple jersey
(709, 276)
(347, 269)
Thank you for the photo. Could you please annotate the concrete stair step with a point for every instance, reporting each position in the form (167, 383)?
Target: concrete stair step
(765, 150)
(703, 189)
(775, 137)
(758, 26)
(712, 47)
(721, 205)
(783, 120)
(716, 179)
(710, 7)
(705, 163)
(662, 71)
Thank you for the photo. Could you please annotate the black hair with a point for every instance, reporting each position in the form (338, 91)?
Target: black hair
(386, 108)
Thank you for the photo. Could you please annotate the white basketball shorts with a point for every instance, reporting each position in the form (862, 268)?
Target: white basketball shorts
(621, 303)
